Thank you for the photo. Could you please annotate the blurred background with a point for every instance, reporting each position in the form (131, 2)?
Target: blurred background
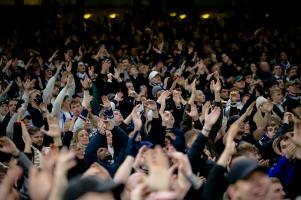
(27, 13)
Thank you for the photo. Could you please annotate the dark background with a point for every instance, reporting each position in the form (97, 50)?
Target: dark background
(24, 15)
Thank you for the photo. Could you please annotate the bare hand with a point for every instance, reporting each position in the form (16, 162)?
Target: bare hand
(8, 146)
(54, 127)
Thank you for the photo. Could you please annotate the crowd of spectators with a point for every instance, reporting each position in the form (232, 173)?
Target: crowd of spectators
(151, 109)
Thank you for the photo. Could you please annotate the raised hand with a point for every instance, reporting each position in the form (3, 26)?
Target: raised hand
(106, 64)
(117, 73)
(211, 118)
(14, 172)
(106, 102)
(70, 81)
(87, 102)
(27, 85)
(136, 117)
(176, 97)
(54, 127)
(193, 112)
(119, 96)
(26, 138)
(158, 167)
(91, 72)
(216, 86)
(164, 95)
(8, 146)
(86, 83)
(182, 162)
(151, 104)
(53, 56)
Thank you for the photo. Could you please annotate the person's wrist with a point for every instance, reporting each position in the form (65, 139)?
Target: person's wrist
(16, 153)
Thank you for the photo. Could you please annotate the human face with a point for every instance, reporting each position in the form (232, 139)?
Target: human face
(130, 86)
(277, 190)
(297, 111)
(37, 138)
(248, 79)
(3, 109)
(156, 79)
(292, 72)
(256, 187)
(12, 106)
(76, 108)
(200, 97)
(283, 56)
(81, 67)
(240, 84)
(168, 115)
(48, 73)
(277, 97)
(253, 68)
(277, 70)
(264, 66)
(125, 64)
(225, 58)
(225, 94)
(79, 151)
(271, 130)
(284, 145)
(118, 117)
(294, 89)
(103, 154)
(133, 71)
(66, 102)
(83, 137)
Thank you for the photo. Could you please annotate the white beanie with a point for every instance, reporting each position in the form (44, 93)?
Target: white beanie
(260, 100)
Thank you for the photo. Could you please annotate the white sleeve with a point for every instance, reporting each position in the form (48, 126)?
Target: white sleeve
(58, 103)
(48, 89)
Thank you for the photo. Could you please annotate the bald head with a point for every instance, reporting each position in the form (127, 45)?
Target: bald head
(264, 66)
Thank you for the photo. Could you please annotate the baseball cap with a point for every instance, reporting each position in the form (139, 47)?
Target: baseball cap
(242, 169)
(260, 100)
(152, 74)
(80, 186)
(238, 78)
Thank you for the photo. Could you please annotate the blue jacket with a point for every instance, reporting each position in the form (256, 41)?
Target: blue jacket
(284, 170)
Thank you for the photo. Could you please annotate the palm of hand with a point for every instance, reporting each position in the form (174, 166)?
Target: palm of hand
(158, 169)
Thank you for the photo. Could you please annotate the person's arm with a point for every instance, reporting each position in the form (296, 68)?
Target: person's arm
(58, 102)
(200, 142)
(90, 154)
(125, 168)
(216, 186)
(47, 92)
(279, 167)
(80, 121)
(258, 133)
(10, 126)
(59, 99)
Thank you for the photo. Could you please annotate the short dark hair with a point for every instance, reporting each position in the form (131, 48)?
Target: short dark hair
(33, 130)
